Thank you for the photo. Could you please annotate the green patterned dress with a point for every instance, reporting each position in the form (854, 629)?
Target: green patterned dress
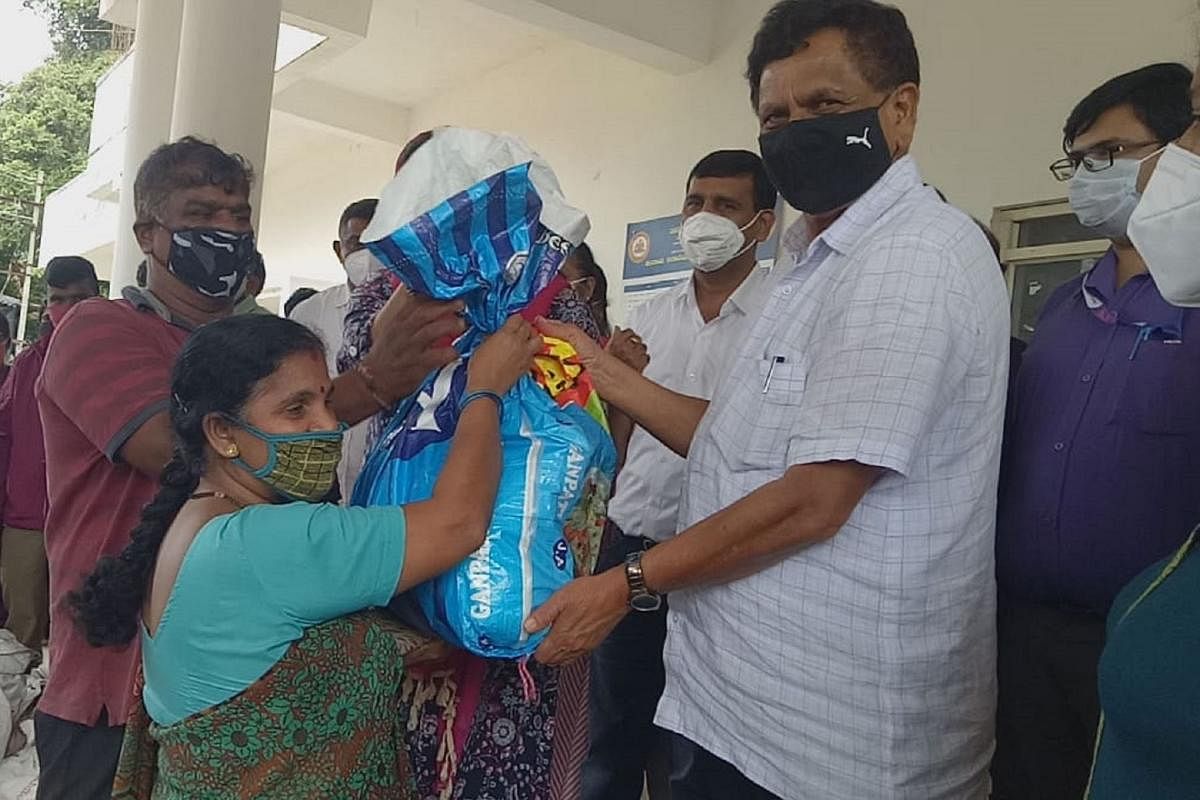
(323, 724)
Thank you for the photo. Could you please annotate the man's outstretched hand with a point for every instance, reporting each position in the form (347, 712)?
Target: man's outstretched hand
(587, 353)
(410, 339)
(580, 616)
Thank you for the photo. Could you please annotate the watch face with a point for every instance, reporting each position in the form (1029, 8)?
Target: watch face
(645, 602)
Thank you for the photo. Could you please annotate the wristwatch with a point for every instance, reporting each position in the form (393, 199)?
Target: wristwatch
(640, 598)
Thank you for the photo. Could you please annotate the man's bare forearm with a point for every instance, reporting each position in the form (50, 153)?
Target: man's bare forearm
(668, 416)
(621, 426)
(809, 504)
(368, 389)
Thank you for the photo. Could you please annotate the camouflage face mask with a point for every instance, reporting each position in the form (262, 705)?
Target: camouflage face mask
(211, 261)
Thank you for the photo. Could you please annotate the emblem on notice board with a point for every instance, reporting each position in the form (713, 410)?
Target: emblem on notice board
(639, 247)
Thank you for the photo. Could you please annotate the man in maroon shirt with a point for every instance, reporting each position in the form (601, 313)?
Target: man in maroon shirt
(103, 397)
(23, 575)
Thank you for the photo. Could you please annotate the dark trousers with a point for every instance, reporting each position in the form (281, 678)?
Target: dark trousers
(697, 774)
(76, 762)
(1049, 707)
(627, 748)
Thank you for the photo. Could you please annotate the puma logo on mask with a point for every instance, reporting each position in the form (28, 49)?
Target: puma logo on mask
(860, 139)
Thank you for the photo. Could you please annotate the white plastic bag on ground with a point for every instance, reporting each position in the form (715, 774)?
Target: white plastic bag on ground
(19, 772)
(19, 690)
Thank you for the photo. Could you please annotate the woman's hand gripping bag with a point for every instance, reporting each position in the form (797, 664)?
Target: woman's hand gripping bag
(490, 246)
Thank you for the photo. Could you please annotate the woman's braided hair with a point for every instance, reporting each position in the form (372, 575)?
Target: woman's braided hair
(216, 373)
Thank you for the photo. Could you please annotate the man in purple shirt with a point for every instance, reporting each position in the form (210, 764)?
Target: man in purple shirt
(1102, 456)
(23, 573)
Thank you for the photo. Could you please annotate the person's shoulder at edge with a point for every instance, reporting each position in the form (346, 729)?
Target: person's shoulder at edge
(313, 306)
(942, 248)
(94, 308)
(366, 299)
(919, 222)
(305, 310)
(378, 285)
(928, 223)
(89, 319)
(90, 333)
(1072, 288)
(923, 237)
(37, 350)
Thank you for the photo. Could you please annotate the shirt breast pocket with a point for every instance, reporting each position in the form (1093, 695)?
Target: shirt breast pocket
(1162, 390)
(764, 412)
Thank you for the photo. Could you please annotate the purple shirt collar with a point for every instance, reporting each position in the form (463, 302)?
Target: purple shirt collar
(1155, 316)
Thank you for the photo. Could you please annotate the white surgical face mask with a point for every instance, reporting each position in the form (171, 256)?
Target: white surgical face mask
(1103, 201)
(1165, 226)
(711, 241)
(360, 266)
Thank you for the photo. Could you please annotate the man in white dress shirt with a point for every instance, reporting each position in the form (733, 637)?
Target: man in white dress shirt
(691, 333)
(831, 632)
(325, 314)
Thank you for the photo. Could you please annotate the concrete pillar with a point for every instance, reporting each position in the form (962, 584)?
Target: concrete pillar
(226, 77)
(151, 98)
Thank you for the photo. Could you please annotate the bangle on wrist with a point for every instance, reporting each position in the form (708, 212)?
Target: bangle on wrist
(368, 379)
(482, 394)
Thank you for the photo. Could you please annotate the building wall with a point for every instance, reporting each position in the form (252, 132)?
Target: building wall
(311, 176)
(999, 79)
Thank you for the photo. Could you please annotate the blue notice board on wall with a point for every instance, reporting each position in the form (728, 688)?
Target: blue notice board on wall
(654, 261)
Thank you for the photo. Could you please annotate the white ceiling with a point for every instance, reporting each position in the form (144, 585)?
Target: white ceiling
(416, 48)
(413, 50)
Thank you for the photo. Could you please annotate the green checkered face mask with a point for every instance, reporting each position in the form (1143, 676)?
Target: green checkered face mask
(300, 466)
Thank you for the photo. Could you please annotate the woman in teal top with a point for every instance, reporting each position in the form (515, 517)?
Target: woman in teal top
(262, 676)
(1149, 741)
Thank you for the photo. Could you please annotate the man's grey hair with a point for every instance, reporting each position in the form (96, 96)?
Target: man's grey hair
(184, 164)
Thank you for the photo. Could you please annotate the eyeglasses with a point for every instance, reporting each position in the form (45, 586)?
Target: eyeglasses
(1093, 160)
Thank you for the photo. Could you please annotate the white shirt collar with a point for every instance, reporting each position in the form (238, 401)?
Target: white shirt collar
(742, 298)
(901, 177)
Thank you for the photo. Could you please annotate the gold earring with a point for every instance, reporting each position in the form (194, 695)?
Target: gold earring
(232, 451)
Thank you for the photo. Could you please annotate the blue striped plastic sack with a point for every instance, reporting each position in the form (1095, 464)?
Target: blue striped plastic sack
(487, 247)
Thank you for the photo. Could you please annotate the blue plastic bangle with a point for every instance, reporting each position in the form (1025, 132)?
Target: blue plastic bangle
(471, 397)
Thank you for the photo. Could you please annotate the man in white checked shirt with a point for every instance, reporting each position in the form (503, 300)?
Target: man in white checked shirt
(831, 633)
(692, 332)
